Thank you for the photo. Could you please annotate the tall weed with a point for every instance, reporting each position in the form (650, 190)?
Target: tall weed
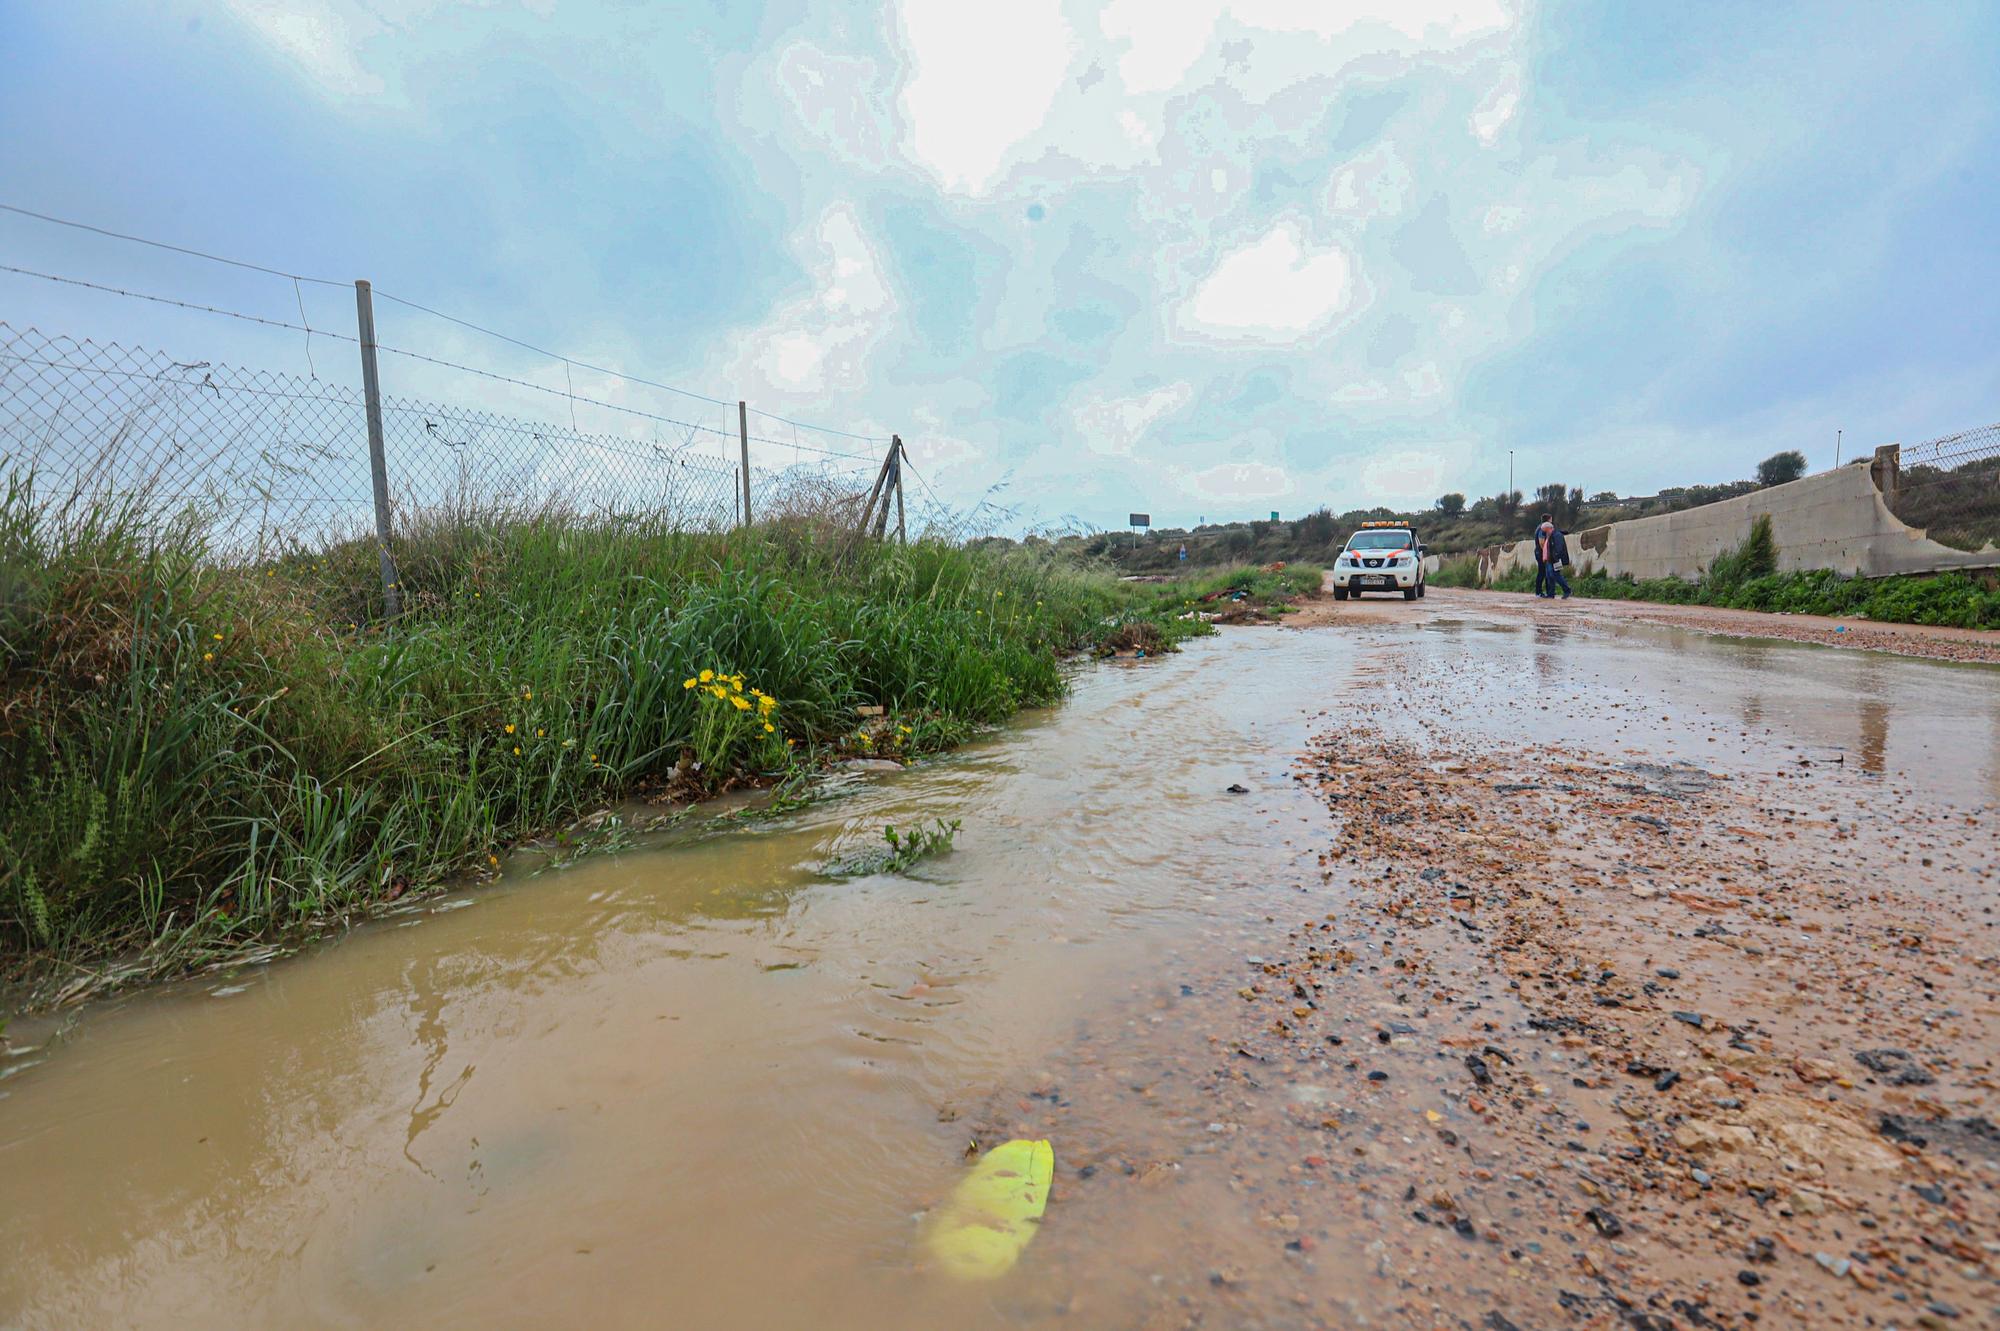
(194, 751)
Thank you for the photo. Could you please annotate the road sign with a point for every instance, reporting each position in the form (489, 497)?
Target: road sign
(1274, 515)
(1142, 520)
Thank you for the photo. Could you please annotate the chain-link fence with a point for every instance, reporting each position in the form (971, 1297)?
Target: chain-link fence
(1951, 488)
(272, 461)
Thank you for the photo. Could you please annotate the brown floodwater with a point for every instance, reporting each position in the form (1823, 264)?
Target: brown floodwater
(698, 1083)
(703, 1082)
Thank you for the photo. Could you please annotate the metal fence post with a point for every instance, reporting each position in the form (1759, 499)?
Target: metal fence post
(371, 389)
(743, 433)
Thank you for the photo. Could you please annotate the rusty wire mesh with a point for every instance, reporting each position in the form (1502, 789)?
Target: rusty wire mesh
(1950, 486)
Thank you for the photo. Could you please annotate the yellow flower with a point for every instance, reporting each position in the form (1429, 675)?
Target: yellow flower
(208, 656)
(493, 860)
(539, 732)
(216, 636)
(707, 675)
(527, 693)
(593, 757)
(718, 690)
(770, 729)
(687, 683)
(904, 729)
(741, 705)
(737, 683)
(517, 750)
(510, 727)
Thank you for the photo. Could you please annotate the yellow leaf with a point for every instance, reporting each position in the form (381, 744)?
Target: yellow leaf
(995, 1211)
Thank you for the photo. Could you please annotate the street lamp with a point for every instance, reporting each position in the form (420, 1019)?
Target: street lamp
(1510, 474)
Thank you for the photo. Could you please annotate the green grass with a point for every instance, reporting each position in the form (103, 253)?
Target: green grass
(1456, 571)
(1951, 599)
(1747, 579)
(196, 754)
(1262, 584)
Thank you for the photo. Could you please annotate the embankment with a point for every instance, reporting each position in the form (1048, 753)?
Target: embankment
(197, 754)
(1838, 521)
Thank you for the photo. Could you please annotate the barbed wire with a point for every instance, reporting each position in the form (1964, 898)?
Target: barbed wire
(821, 429)
(568, 393)
(169, 300)
(304, 327)
(163, 245)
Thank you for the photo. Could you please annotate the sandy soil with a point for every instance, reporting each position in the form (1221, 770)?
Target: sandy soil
(1943, 644)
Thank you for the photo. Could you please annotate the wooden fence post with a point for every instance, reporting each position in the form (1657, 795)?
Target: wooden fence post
(378, 467)
(902, 535)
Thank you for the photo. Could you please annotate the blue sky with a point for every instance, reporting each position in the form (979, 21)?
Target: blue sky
(1188, 256)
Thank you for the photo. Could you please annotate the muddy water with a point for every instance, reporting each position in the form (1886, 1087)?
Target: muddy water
(704, 1084)
(699, 1084)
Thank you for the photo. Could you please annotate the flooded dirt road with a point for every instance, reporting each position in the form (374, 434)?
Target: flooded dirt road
(703, 1083)
(1933, 642)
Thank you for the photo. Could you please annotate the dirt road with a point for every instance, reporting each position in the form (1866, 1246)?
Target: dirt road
(1696, 981)
(1934, 643)
(1465, 963)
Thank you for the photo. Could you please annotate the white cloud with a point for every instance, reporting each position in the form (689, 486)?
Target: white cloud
(820, 342)
(984, 79)
(992, 85)
(1409, 475)
(1162, 41)
(1272, 289)
(1429, 22)
(1361, 390)
(835, 100)
(1114, 426)
(1374, 184)
(1423, 380)
(1491, 116)
(320, 37)
(1240, 481)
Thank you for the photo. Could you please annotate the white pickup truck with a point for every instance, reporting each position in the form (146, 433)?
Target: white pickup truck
(1381, 557)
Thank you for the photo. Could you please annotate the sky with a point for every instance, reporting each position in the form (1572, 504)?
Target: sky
(1187, 257)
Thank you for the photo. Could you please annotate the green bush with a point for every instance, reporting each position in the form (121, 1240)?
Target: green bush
(1262, 583)
(1756, 558)
(1746, 578)
(1457, 571)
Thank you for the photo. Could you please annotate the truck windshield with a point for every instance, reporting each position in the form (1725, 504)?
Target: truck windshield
(1379, 540)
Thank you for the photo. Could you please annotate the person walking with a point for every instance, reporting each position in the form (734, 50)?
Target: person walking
(1551, 556)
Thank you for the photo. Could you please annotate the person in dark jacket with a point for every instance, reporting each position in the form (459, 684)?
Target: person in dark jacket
(1551, 557)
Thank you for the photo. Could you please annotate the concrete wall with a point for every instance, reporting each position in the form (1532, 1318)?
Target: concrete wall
(1836, 520)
